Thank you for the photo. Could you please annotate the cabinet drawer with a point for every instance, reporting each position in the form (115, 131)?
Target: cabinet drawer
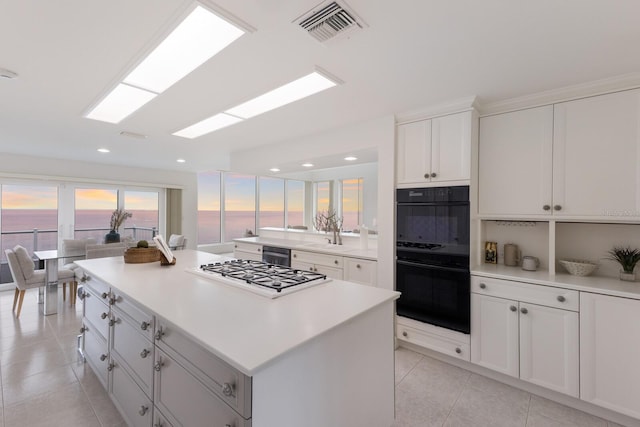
(136, 408)
(251, 256)
(360, 271)
(186, 401)
(133, 350)
(213, 372)
(317, 259)
(439, 342)
(143, 320)
(527, 292)
(248, 247)
(96, 352)
(96, 311)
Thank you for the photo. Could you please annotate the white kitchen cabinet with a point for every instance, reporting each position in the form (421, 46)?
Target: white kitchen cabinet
(249, 251)
(610, 352)
(512, 334)
(134, 405)
(329, 265)
(596, 156)
(452, 343)
(96, 328)
(436, 150)
(515, 163)
(360, 271)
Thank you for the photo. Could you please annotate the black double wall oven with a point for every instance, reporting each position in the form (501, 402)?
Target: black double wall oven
(432, 256)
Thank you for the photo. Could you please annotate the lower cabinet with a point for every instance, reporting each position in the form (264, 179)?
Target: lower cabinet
(96, 352)
(329, 265)
(536, 343)
(134, 405)
(610, 352)
(249, 251)
(360, 271)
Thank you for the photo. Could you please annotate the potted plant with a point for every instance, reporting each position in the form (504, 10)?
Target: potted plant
(627, 258)
(118, 217)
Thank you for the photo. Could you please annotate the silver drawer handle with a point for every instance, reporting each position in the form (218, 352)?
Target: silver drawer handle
(227, 389)
(110, 367)
(103, 315)
(104, 295)
(561, 298)
(524, 310)
(158, 366)
(103, 357)
(83, 329)
(144, 353)
(159, 334)
(405, 334)
(513, 308)
(458, 350)
(144, 325)
(143, 410)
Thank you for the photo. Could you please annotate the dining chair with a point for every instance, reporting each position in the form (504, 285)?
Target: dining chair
(73, 250)
(177, 242)
(104, 251)
(25, 276)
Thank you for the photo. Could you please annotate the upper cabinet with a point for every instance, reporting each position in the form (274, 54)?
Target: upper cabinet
(576, 159)
(435, 151)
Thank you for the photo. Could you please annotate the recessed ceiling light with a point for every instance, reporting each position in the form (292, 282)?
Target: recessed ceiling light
(274, 170)
(8, 74)
(350, 158)
(288, 93)
(181, 160)
(200, 36)
(133, 135)
(307, 165)
(104, 150)
(216, 122)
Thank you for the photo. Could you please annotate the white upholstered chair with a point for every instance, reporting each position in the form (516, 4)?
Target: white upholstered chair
(104, 251)
(26, 277)
(177, 242)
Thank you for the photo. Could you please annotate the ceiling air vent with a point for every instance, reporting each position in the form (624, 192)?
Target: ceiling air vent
(329, 20)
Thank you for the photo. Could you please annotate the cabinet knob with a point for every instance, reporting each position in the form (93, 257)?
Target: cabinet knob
(85, 278)
(546, 207)
(235, 246)
(259, 250)
(112, 322)
(159, 334)
(483, 286)
(227, 389)
(335, 261)
(82, 295)
(295, 256)
(561, 298)
(405, 334)
(144, 325)
(143, 410)
(103, 357)
(427, 175)
(458, 350)
(433, 174)
(104, 295)
(144, 353)
(557, 207)
(513, 308)
(358, 266)
(83, 329)
(110, 367)
(524, 310)
(103, 315)
(158, 366)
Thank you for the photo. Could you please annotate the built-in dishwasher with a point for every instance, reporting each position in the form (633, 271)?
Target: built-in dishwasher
(276, 255)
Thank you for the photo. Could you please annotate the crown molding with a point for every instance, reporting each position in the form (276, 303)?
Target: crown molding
(456, 106)
(567, 93)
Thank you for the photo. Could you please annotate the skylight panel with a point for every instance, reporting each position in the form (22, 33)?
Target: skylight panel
(119, 103)
(194, 41)
(290, 92)
(205, 126)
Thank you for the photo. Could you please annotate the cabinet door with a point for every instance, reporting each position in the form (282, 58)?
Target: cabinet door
(96, 351)
(596, 156)
(451, 147)
(136, 408)
(360, 271)
(610, 352)
(333, 273)
(515, 163)
(414, 152)
(549, 348)
(494, 334)
(252, 256)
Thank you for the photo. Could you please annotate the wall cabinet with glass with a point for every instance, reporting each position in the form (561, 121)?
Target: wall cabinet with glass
(437, 150)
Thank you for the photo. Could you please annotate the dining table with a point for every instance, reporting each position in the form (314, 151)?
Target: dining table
(49, 296)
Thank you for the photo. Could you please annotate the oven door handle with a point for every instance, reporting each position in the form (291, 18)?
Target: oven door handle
(431, 267)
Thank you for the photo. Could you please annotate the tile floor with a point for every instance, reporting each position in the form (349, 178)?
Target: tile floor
(43, 383)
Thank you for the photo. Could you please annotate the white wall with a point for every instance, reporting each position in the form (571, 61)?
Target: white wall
(61, 171)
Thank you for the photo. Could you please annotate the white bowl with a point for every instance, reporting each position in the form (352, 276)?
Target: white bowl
(578, 267)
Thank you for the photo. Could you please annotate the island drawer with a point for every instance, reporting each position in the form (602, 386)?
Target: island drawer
(549, 296)
(96, 351)
(144, 321)
(247, 247)
(135, 407)
(96, 311)
(317, 259)
(97, 287)
(229, 384)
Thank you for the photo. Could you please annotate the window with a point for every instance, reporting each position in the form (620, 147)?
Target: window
(208, 208)
(271, 199)
(93, 212)
(295, 202)
(323, 196)
(143, 205)
(352, 203)
(29, 217)
(239, 205)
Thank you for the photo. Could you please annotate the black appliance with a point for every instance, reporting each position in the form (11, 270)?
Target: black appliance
(432, 256)
(276, 255)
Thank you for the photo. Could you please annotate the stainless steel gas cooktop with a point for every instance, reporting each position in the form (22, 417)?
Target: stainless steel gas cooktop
(260, 277)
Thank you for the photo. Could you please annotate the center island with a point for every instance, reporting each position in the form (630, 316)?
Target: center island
(175, 348)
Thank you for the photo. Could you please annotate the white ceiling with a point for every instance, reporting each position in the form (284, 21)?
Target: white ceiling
(414, 54)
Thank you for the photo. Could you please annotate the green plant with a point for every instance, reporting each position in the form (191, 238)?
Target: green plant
(626, 257)
(118, 217)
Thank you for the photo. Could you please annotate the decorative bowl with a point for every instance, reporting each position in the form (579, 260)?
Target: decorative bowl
(578, 267)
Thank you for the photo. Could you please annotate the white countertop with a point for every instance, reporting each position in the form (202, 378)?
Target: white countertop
(244, 329)
(313, 246)
(594, 284)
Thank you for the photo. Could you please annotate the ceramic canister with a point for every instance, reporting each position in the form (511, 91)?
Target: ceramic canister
(511, 254)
